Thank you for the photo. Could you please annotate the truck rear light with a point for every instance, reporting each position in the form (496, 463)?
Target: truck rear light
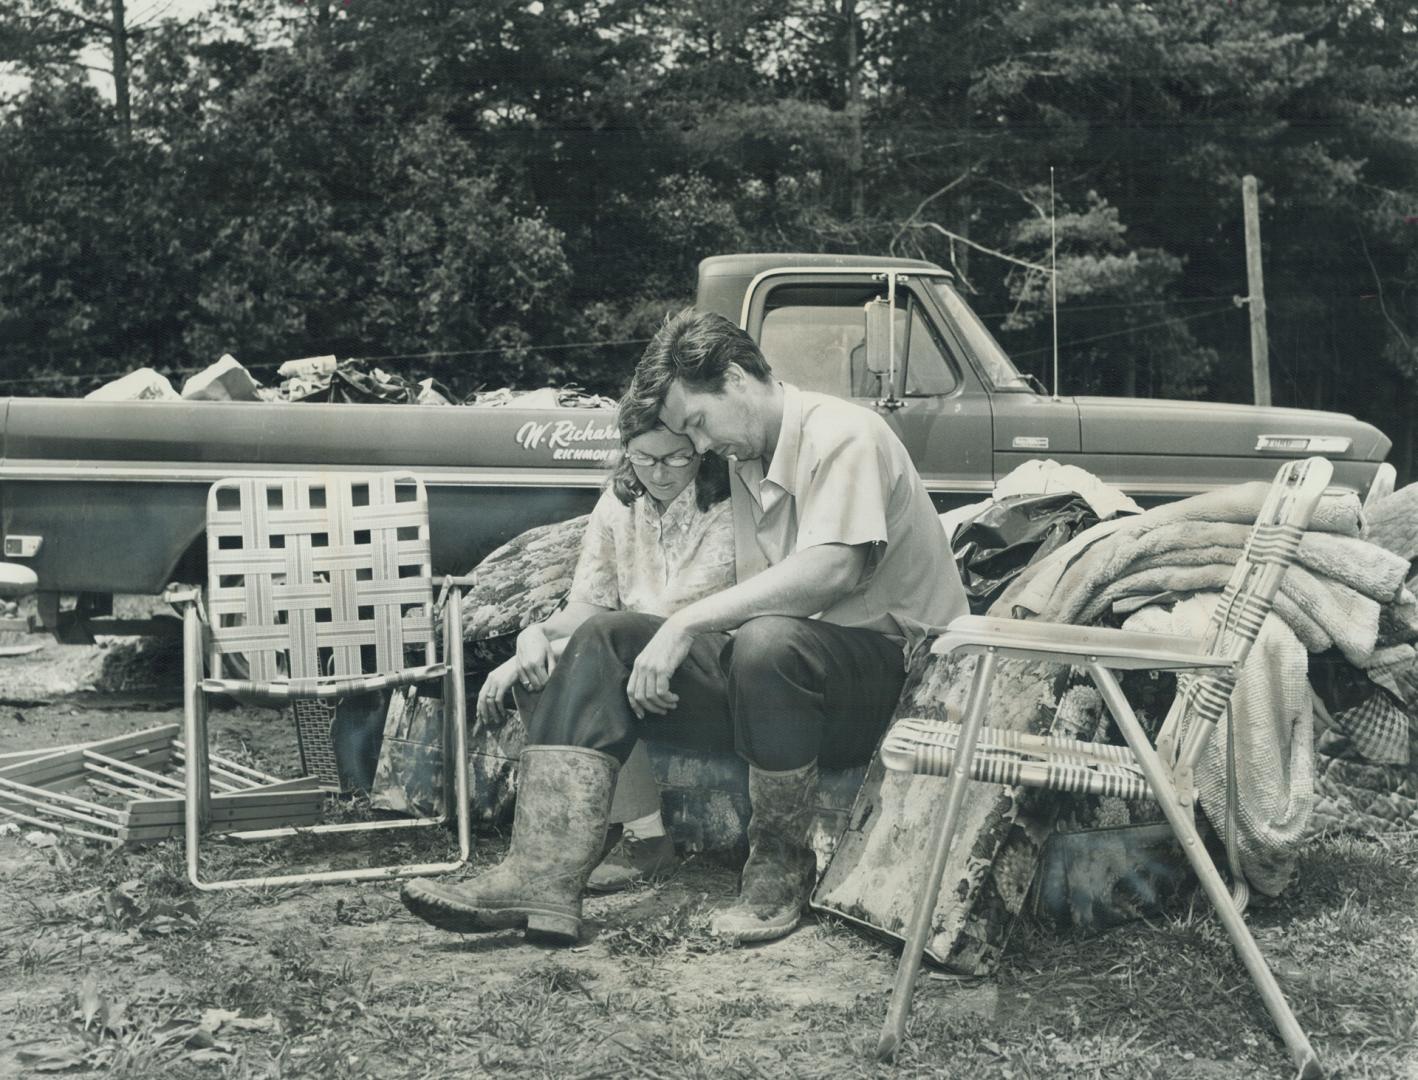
(1304, 444)
(22, 547)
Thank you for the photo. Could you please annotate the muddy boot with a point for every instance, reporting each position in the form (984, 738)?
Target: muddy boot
(782, 868)
(558, 833)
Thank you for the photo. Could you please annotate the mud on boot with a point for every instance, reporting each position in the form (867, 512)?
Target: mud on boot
(558, 834)
(781, 869)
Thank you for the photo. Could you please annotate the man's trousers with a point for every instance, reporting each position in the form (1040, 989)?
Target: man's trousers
(779, 691)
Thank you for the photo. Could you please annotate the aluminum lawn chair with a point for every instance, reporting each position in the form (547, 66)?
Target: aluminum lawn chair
(319, 585)
(1207, 667)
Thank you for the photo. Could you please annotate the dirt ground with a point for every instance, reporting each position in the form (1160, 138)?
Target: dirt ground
(110, 965)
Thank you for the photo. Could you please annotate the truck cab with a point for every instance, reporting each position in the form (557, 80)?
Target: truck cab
(966, 413)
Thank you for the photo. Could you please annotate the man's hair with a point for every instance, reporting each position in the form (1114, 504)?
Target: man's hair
(637, 416)
(697, 348)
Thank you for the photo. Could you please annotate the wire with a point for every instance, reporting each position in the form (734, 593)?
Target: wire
(1129, 330)
(504, 349)
(32, 380)
(1118, 307)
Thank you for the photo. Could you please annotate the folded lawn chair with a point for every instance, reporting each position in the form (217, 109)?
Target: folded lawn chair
(969, 751)
(322, 585)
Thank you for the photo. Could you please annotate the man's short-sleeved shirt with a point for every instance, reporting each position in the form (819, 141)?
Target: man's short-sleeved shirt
(634, 558)
(839, 475)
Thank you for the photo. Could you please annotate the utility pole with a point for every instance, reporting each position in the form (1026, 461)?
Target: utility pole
(118, 37)
(1255, 285)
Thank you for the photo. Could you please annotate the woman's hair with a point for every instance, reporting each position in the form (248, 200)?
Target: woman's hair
(639, 415)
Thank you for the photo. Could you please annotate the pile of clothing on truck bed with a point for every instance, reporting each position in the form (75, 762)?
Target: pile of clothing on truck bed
(327, 379)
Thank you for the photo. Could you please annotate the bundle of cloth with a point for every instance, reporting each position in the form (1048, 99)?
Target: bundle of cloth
(1162, 571)
(1366, 759)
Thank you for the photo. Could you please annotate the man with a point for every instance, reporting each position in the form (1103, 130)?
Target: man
(842, 573)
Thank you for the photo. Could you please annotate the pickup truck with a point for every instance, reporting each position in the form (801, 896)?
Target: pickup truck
(99, 498)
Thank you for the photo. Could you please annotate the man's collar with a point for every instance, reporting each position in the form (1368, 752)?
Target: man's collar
(783, 469)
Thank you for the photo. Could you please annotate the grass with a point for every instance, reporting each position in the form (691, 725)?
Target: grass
(108, 957)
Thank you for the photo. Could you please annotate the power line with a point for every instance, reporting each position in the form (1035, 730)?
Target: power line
(1118, 307)
(1129, 330)
(504, 349)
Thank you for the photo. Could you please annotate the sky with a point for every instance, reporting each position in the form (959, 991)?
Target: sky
(138, 13)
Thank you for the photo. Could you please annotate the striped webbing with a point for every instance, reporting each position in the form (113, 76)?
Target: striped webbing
(1013, 758)
(1249, 594)
(1071, 765)
(317, 574)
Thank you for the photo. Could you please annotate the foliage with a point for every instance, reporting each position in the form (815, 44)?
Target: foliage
(499, 184)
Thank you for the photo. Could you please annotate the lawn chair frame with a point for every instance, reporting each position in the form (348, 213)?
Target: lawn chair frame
(320, 585)
(970, 751)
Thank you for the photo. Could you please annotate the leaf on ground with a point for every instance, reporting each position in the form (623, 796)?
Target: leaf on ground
(90, 1000)
(162, 919)
(211, 1055)
(267, 1023)
(213, 1019)
(52, 1057)
(113, 1014)
(115, 938)
(121, 904)
(174, 1031)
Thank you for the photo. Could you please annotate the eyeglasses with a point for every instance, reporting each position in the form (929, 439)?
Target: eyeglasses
(678, 460)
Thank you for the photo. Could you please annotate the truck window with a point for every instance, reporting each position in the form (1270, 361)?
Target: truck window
(1002, 373)
(822, 346)
(810, 345)
(926, 370)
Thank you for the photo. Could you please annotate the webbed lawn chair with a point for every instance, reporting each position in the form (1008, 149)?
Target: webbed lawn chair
(970, 751)
(318, 585)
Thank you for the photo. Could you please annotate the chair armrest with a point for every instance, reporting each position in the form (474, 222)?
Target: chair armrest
(1061, 642)
(323, 688)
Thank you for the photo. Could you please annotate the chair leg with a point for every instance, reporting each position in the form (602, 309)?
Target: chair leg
(194, 734)
(1182, 819)
(455, 713)
(913, 950)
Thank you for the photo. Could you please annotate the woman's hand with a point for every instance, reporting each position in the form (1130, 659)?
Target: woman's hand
(534, 659)
(492, 698)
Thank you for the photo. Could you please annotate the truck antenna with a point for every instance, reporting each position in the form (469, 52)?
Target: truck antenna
(1054, 277)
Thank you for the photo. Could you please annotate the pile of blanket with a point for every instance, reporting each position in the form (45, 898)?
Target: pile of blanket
(1346, 598)
(1366, 755)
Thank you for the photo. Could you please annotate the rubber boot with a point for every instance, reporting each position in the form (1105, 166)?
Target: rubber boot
(558, 836)
(782, 867)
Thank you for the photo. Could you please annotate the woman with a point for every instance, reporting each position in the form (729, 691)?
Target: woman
(660, 538)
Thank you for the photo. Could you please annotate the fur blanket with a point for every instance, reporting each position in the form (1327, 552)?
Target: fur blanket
(1330, 598)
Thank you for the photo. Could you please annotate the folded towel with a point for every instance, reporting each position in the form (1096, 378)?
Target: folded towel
(1361, 564)
(1347, 616)
(1392, 522)
(1321, 612)
(1184, 581)
(1100, 554)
